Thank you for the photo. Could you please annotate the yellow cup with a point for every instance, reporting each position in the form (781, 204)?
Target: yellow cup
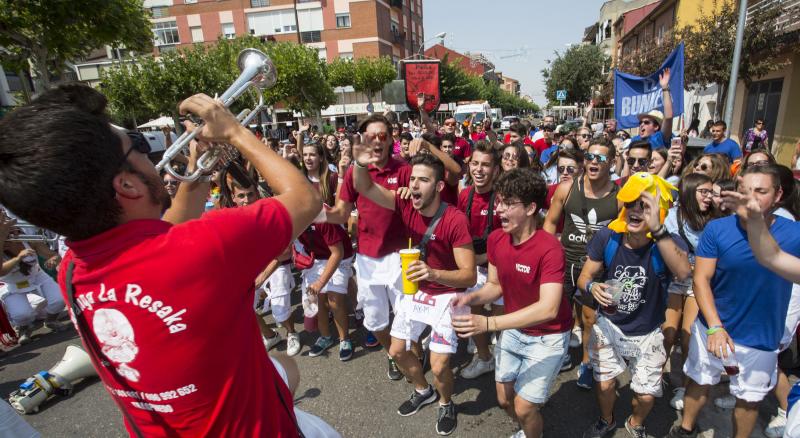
(406, 257)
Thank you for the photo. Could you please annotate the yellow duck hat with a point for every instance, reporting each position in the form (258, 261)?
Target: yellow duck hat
(637, 184)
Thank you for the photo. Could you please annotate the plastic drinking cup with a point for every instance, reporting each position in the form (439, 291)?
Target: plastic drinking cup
(406, 257)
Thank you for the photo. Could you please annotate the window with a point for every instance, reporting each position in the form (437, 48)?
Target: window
(259, 3)
(271, 22)
(189, 2)
(395, 26)
(166, 33)
(160, 11)
(228, 30)
(310, 19)
(342, 20)
(346, 55)
(313, 36)
(197, 34)
(323, 54)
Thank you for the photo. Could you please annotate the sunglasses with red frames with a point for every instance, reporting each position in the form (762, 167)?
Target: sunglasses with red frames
(380, 136)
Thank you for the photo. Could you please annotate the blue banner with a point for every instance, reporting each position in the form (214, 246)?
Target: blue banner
(636, 95)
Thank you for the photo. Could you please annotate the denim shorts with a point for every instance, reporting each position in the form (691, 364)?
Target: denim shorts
(531, 362)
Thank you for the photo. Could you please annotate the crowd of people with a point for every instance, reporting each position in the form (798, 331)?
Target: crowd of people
(529, 243)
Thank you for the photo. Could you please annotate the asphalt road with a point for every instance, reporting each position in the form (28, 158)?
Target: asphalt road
(355, 397)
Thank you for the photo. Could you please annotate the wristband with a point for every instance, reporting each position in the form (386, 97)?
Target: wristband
(714, 328)
(589, 286)
(487, 323)
(665, 90)
(660, 233)
(359, 165)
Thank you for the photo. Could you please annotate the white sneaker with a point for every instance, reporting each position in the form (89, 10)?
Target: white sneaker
(293, 345)
(271, 342)
(575, 338)
(471, 348)
(725, 402)
(477, 367)
(776, 425)
(519, 434)
(677, 399)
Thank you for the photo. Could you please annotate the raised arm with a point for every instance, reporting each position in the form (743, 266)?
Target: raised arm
(676, 259)
(424, 118)
(363, 157)
(450, 165)
(291, 187)
(666, 126)
(190, 201)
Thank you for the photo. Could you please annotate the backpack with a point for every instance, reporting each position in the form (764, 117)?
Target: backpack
(612, 246)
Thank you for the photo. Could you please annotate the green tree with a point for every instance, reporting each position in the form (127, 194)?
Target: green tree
(456, 84)
(578, 70)
(341, 72)
(370, 75)
(45, 34)
(122, 87)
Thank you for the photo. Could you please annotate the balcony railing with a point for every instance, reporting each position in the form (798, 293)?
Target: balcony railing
(398, 36)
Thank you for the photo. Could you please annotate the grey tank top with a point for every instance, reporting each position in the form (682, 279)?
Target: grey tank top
(583, 217)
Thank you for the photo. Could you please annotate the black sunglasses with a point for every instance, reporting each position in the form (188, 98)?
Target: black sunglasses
(599, 157)
(637, 161)
(630, 205)
(138, 143)
(569, 169)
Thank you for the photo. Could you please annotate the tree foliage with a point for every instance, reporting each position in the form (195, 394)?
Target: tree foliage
(370, 75)
(158, 85)
(456, 84)
(578, 70)
(341, 72)
(48, 33)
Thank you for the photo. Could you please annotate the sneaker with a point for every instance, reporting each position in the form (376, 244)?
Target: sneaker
(426, 343)
(24, 334)
(776, 425)
(345, 350)
(566, 361)
(585, 378)
(323, 343)
(471, 348)
(293, 344)
(678, 432)
(446, 421)
(635, 431)
(271, 342)
(55, 325)
(477, 368)
(370, 341)
(677, 399)
(726, 402)
(417, 401)
(519, 434)
(394, 373)
(600, 428)
(575, 338)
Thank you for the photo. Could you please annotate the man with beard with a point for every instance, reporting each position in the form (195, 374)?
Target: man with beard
(587, 204)
(446, 267)
(378, 269)
(654, 126)
(478, 203)
(65, 168)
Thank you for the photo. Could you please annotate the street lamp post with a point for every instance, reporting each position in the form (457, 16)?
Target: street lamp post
(439, 35)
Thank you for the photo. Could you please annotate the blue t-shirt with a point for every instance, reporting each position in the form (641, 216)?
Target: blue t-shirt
(545, 155)
(752, 301)
(656, 140)
(727, 147)
(644, 302)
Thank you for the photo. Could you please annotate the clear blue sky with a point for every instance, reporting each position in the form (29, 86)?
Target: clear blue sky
(501, 28)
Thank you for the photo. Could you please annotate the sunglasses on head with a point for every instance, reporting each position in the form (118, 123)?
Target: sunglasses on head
(568, 169)
(630, 205)
(599, 157)
(637, 161)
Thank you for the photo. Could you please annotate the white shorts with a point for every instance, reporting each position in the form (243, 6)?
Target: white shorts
(611, 352)
(279, 287)
(758, 369)
(337, 282)
(483, 273)
(792, 318)
(443, 338)
(379, 285)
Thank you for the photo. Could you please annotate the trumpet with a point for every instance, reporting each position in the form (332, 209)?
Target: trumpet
(257, 74)
(24, 231)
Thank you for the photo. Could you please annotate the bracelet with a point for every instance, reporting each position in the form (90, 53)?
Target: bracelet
(714, 328)
(589, 286)
(660, 233)
(359, 165)
(487, 323)
(665, 90)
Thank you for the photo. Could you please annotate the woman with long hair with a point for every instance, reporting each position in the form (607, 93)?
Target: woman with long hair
(688, 219)
(315, 166)
(332, 150)
(756, 157)
(716, 166)
(513, 156)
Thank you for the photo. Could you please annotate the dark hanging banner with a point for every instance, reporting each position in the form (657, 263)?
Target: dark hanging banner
(422, 77)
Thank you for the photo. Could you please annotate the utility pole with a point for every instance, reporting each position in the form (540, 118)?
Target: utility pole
(737, 53)
(297, 22)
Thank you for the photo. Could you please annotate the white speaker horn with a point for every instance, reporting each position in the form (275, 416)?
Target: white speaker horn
(59, 380)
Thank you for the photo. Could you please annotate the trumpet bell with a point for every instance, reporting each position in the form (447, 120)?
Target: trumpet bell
(266, 76)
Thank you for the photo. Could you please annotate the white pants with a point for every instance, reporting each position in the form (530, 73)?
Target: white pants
(25, 306)
(379, 285)
(338, 281)
(311, 425)
(279, 287)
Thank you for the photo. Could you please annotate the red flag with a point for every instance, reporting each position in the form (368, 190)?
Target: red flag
(422, 77)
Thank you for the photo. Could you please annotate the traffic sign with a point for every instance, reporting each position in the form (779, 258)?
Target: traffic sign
(561, 94)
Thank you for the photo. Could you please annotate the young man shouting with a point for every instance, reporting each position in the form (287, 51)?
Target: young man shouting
(526, 268)
(448, 267)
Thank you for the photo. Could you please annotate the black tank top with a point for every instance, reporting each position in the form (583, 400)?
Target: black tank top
(582, 217)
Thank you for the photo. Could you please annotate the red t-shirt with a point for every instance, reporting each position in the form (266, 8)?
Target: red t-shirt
(479, 213)
(319, 237)
(551, 190)
(462, 148)
(522, 269)
(451, 232)
(477, 136)
(378, 227)
(162, 303)
(527, 140)
(449, 194)
(540, 145)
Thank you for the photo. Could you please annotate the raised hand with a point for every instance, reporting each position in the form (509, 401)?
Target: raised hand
(652, 215)
(663, 78)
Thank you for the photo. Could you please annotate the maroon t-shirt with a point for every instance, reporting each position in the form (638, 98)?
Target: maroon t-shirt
(451, 232)
(319, 237)
(523, 268)
(449, 194)
(462, 148)
(479, 214)
(379, 229)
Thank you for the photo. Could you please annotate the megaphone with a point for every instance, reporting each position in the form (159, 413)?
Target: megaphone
(59, 380)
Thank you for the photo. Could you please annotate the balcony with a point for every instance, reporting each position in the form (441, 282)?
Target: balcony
(396, 3)
(398, 37)
(313, 36)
